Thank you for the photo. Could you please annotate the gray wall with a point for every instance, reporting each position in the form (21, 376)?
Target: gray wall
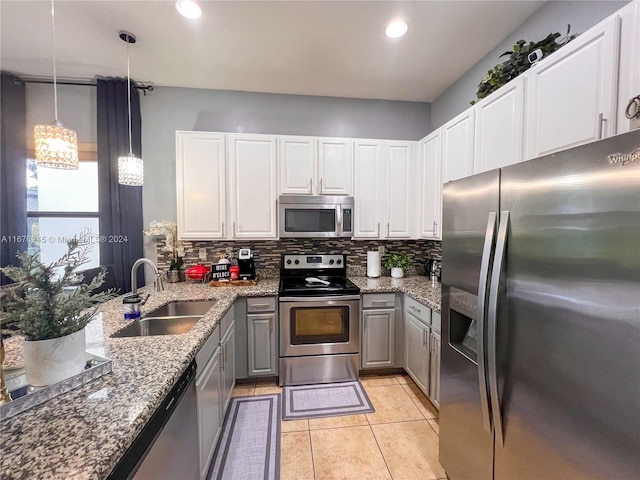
(168, 109)
(76, 109)
(552, 17)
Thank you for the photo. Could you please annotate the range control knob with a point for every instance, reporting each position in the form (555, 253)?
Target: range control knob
(339, 262)
(330, 262)
(297, 262)
(288, 262)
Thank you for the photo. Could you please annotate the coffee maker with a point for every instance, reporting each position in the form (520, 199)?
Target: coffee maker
(246, 265)
(432, 269)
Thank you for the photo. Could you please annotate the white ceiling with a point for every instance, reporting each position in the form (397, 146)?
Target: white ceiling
(328, 48)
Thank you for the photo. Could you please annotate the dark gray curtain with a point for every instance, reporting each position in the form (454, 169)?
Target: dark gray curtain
(13, 168)
(120, 205)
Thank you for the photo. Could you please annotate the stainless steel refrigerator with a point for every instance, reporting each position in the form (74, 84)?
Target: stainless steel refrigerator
(540, 370)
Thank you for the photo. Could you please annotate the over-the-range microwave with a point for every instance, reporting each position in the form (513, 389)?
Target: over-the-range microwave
(315, 216)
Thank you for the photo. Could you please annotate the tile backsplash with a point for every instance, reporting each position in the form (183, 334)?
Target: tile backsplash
(267, 253)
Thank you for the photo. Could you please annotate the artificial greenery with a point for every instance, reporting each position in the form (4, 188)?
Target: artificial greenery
(397, 260)
(38, 307)
(518, 62)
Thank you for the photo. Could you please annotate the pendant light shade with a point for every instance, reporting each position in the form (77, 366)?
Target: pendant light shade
(130, 170)
(130, 167)
(55, 146)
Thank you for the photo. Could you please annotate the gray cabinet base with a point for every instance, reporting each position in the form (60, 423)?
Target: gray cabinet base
(319, 369)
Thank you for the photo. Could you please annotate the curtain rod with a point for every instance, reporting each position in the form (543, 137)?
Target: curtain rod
(85, 83)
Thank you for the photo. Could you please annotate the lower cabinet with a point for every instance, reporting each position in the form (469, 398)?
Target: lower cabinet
(377, 338)
(416, 349)
(215, 380)
(262, 347)
(209, 395)
(422, 347)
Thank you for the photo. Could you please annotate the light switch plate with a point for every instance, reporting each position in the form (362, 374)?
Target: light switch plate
(202, 253)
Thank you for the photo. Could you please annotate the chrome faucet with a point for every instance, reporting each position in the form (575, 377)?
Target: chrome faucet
(157, 281)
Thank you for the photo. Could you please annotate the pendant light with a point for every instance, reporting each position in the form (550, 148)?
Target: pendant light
(130, 167)
(56, 146)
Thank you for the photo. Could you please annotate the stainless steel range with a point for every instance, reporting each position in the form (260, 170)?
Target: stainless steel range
(319, 320)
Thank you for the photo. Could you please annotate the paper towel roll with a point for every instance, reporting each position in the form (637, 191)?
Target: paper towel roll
(373, 264)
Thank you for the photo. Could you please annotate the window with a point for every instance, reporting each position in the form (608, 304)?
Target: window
(62, 204)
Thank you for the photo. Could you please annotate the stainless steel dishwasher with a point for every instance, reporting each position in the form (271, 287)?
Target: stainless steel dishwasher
(167, 447)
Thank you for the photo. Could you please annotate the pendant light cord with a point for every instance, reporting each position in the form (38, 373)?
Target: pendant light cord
(129, 99)
(55, 90)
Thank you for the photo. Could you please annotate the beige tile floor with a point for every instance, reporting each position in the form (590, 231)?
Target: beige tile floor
(399, 441)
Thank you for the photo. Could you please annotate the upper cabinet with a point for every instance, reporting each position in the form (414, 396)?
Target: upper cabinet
(201, 192)
(253, 186)
(571, 97)
(457, 146)
(430, 215)
(383, 188)
(499, 130)
(297, 164)
(398, 191)
(629, 79)
(315, 166)
(335, 166)
(368, 188)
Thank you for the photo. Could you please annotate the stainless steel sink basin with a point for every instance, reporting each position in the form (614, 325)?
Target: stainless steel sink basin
(182, 309)
(173, 318)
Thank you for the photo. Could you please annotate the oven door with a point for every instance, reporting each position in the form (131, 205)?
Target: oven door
(319, 325)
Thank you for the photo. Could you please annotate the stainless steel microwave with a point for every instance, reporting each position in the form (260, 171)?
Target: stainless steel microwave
(315, 216)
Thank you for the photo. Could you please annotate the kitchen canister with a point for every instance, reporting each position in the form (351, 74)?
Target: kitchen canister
(373, 264)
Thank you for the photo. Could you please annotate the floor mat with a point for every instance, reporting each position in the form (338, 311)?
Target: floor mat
(325, 400)
(249, 445)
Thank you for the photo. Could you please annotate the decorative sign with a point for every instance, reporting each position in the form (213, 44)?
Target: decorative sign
(220, 272)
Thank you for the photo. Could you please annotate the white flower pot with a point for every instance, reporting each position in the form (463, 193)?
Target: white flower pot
(51, 361)
(397, 272)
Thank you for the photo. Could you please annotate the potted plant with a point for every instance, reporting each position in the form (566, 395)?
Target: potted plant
(397, 262)
(50, 310)
(172, 245)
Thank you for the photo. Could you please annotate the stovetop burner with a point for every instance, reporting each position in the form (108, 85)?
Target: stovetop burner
(315, 275)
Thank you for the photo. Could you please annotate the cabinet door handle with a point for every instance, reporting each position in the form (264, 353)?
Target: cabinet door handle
(435, 229)
(224, 234)
(234, 229)
(221, 356)
(320, 191)
(378, 235)
(424, 336)
(311, 185)
(601, 122)
(387, 229)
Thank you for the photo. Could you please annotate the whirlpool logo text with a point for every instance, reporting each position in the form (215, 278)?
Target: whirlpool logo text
(623, 159)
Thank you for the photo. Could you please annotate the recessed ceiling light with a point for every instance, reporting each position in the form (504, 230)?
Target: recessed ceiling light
(188, 8)
(396, 29)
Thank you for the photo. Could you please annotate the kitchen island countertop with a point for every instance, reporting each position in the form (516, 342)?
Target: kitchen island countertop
(84, 433)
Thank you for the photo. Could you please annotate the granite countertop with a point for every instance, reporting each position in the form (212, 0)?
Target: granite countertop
(84, 433)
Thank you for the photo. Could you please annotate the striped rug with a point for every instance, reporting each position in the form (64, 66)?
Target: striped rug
(324, 400)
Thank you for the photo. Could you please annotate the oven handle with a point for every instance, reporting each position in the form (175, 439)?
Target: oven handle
(337, 298)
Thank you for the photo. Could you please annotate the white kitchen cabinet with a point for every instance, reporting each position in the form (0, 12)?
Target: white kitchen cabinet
(383, 188)
(335, 166)
(629, 77)
(430, 186)
(209, 398)
(457, 146)
(416, 350)
(200, 185)
(434, 373)
(297, 159)
(253, 188)
(262, 344)
(499, 127)
(369, 185)
(571, 95)
(398, 191)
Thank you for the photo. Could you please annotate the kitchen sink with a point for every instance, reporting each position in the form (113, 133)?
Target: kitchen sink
(182, 309)
(173, 318)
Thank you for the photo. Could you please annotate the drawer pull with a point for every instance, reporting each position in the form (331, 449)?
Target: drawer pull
(415, 308)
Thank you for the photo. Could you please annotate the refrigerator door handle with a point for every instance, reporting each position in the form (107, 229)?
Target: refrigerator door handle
(489, 240)
(492, 330)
